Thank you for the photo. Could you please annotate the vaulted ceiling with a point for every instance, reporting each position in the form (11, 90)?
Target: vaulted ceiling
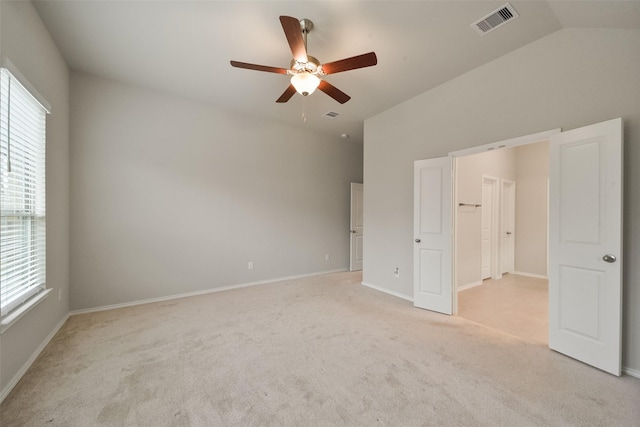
(184, 47)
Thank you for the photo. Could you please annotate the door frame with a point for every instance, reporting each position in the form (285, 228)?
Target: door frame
(513, 142)
(495, 272)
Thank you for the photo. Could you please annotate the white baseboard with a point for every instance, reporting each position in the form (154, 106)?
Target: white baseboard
(631, 372)
(537, 276)
(387, 291)
(469, 285)
(5, 392)
(203, 292)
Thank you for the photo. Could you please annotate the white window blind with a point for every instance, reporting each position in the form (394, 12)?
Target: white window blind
(22, 194)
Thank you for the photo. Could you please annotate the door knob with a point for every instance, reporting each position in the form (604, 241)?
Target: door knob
(353, 231)
(418, 240)
(508, 233)
(609, 258)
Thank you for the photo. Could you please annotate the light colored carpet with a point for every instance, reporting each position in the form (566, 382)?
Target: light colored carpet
(318, 351)
(517, 305)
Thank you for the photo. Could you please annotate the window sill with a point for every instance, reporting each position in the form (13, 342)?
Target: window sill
(15, 315)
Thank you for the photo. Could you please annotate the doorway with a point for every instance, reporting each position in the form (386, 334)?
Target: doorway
(508, 288)
(585, 253)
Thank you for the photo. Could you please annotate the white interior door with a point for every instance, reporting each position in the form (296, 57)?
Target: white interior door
(357, 229)
(585, 244)
(432, 260)
(486, 230)
(508, 221)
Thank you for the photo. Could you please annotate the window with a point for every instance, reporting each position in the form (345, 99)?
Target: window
(22, 194)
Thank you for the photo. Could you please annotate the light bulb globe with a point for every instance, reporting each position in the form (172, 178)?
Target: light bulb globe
(305, 82)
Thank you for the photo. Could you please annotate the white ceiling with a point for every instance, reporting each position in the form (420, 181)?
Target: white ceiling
(184, 47)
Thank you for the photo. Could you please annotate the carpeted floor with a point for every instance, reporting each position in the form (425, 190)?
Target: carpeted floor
(320, 351)
(517, 305)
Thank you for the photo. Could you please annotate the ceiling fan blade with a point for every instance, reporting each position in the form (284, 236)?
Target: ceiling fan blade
(353, 63)
(293, 31)
(258, 67)
(287, 94)
(333, 92)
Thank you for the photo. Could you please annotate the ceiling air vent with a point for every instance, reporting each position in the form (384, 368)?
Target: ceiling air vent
(330, 114)
(495, 19)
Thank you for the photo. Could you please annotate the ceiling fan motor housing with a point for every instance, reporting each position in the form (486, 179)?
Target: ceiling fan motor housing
(311, 66)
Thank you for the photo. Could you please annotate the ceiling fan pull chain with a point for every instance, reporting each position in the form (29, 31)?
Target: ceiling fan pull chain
(304, 110)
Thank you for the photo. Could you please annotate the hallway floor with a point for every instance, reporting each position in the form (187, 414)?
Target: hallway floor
(517, 305)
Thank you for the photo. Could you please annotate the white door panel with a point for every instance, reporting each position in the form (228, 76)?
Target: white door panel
(486, 232)
(357, 227)
(508, 220)
(585, 226)
(432, 235)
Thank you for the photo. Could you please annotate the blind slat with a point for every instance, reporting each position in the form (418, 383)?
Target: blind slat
(22, 194)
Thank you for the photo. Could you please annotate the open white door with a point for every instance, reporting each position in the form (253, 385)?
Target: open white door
(432, 260)
(585, 244)
(357, 229)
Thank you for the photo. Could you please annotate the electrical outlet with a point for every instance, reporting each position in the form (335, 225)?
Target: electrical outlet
(396, 272)
(250, 265)
(327, 257)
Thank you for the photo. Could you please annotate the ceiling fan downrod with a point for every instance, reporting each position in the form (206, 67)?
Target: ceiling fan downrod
(305, 26)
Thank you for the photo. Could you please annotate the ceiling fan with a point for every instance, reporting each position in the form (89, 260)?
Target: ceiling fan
(306, 71)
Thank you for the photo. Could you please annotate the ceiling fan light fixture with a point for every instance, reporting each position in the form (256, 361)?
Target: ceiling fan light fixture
(305, 82)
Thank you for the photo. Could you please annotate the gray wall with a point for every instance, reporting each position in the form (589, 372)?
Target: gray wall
(172, 197)
(27, 44)
(572, 78)
(532, 177)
